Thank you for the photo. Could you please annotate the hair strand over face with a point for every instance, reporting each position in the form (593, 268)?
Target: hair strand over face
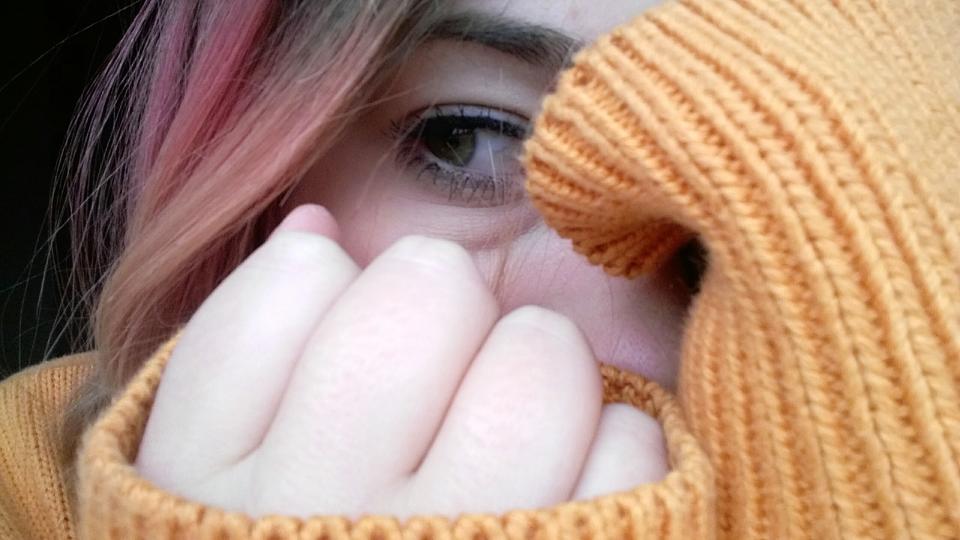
(209, 112)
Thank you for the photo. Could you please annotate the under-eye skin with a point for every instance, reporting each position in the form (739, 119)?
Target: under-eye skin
(468, 154)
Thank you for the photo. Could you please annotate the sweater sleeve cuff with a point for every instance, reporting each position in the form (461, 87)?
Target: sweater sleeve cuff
(115, 502)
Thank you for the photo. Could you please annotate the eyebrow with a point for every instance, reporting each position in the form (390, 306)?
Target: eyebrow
(534, 44)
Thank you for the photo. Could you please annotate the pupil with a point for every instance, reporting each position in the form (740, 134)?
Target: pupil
(450, 143)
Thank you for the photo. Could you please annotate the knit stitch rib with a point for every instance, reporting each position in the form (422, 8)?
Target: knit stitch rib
(819, 368)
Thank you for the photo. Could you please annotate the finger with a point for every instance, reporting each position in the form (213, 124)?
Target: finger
(522, 422)
(225, 378)
(372, 387)
(628, 450)
(311, 218)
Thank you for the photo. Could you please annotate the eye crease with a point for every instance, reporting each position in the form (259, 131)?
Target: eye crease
(469, 153)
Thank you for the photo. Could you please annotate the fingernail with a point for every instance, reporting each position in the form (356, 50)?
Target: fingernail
(311, 218)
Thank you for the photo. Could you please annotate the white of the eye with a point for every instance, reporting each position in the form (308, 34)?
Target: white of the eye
(495, 154)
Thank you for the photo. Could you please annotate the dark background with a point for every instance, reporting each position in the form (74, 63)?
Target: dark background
(50, 50)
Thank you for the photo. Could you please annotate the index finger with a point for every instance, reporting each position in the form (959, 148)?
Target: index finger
(224, 380)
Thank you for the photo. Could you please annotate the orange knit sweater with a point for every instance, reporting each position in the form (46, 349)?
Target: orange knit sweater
(814, 146)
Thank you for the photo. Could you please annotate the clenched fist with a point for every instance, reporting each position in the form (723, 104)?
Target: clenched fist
(305, 386)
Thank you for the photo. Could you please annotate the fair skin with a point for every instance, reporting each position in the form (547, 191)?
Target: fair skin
(352, 365)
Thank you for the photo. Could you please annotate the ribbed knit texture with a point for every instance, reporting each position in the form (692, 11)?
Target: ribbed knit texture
(34, 503)
(814, 148)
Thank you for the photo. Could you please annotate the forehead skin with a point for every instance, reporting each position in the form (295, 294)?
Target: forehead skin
(583, 19)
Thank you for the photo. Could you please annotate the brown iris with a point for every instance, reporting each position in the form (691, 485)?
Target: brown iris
(449, 141)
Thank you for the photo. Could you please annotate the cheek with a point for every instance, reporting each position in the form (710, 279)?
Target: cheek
(357, 190)
(633, 324)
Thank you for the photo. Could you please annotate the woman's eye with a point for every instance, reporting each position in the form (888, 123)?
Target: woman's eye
(469, 154)
(448, 142)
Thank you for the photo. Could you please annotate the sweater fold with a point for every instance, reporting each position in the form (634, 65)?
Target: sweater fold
(813, 149)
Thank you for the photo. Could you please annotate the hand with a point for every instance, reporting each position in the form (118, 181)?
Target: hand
(305, 386)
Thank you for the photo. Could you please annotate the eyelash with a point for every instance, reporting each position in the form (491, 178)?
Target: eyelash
(461, 185)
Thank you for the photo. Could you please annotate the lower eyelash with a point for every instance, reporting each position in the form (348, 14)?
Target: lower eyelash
(462, 186)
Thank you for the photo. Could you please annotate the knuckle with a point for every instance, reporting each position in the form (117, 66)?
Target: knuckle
(544, 340)
(294, 249)
(543, 320)
(633, 421)
(432, 252)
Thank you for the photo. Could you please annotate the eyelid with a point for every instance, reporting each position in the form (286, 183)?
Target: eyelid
(464, 109)
(410, 121)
